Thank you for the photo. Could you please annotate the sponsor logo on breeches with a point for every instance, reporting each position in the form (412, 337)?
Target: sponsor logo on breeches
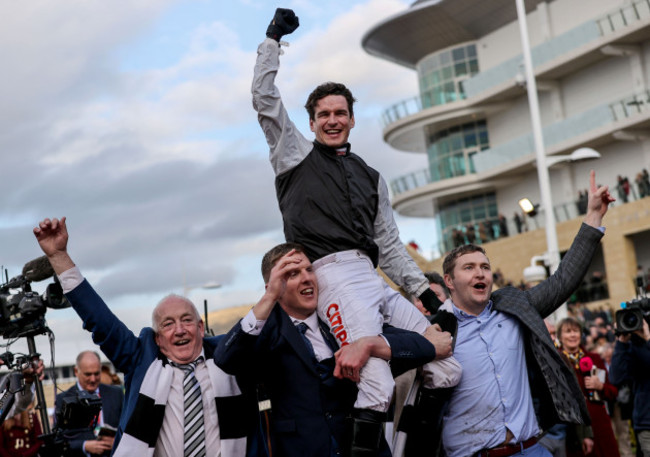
(336, 324)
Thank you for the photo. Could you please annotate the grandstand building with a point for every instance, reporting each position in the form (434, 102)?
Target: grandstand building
(471, 119)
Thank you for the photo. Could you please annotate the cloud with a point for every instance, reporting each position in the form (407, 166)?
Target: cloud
(160, 167)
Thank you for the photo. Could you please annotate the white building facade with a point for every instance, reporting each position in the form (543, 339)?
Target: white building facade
(471, 118)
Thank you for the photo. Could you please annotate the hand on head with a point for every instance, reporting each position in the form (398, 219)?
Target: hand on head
(287, 264)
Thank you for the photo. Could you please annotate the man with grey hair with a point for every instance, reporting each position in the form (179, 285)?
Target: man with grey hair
(88, 441)
(176, 398)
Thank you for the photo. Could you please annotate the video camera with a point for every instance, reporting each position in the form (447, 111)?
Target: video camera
(629, 319)
(78, 411)
(22, 311)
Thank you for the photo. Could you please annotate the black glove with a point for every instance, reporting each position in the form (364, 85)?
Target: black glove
(447, 322)
(430, 301)
(284, 22)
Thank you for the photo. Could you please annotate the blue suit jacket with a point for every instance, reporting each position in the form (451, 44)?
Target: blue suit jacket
(133, 355)
(112, 399)
(309, 406)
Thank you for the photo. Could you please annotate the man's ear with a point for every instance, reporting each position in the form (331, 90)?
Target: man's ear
(311, 125)
(352, 122)
(449, 282)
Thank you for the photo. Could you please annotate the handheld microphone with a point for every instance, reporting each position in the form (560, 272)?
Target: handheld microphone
(588, 368)
(38, 269)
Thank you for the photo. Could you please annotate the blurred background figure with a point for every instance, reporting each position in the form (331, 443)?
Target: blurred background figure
(595, 386)
(108, 377)
(19, 435)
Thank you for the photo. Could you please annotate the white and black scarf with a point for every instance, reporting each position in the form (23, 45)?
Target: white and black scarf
(142, 430)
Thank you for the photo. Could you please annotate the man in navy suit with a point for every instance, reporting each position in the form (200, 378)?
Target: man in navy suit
(283, 345)
(84, 442)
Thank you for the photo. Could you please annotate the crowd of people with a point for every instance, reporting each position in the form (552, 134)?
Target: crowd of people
(309, 371)
(490, 229)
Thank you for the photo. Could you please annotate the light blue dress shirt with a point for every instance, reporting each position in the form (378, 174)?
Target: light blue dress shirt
(494, 393)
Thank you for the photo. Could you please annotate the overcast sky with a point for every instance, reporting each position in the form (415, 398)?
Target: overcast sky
(134, 119)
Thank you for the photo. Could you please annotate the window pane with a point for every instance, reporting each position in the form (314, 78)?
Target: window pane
(459, 54)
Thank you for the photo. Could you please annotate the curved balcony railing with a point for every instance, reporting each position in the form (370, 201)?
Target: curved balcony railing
(556, 133)
(583, 34)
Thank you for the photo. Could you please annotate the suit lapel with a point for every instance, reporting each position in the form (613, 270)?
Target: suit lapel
(327, 336)
(291, 335)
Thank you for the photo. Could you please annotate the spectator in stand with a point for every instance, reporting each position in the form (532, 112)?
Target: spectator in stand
(595, 387)
(503, 226)
(597, 286)
(484, 232)
(518, 222)
(458, 237)
(582, 202)
(623, 188)
(641, 185)
(470, 233)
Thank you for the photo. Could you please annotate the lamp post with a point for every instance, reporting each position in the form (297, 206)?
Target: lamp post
(552, 255)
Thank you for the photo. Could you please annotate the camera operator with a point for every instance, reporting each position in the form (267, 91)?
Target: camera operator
(631, 360)
(25, 397)
(88, 442)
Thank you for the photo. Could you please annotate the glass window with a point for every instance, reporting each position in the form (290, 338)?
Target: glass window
(444, 68)
(460, 68)
(458, 54)
(470, 140)
(450, 151)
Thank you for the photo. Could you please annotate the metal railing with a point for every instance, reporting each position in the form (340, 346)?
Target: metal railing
(585, 33)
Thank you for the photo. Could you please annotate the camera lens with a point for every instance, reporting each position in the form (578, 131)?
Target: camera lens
(630, 321)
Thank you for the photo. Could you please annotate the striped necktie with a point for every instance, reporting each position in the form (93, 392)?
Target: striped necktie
(193, 433)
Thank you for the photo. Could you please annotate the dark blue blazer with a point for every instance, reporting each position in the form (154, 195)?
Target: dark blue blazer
(112, 400)
(308, 405)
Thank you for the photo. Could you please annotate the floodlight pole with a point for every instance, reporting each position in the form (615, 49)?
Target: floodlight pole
(552, 246)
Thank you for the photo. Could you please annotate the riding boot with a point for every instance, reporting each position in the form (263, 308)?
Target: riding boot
(424, 433)
(367, 430)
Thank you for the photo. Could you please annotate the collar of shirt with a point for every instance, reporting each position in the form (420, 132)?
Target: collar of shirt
(464, 317)
(311, 321)
(176, 365)
(96, 391)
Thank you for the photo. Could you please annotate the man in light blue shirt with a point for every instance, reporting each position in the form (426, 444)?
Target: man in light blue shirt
(507, 355)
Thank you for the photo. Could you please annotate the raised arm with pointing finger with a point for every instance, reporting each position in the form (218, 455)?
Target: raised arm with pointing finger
(515, 384)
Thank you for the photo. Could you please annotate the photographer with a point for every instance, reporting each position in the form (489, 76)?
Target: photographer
(631, 359)
(25, 397)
